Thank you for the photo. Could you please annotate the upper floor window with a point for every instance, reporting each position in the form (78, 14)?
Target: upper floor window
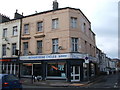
(91, 35)
(73, 22)
(55, 45)
(26, 29)
(13, 48)
(39, 47)
(74, 44)
(54, 23)
(15, 31)
(85, 47)
(25, 48)
(84, 27)
(5, 32)
(4, 50)
(40, 26)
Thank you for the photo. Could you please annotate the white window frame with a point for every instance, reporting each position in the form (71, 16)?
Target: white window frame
(39, 47)
(25, 48)
(74, 44)
(4, 49)
(26, 28)
(55, 23)
(73, 22)
(15, 31)
(55, 45)
(5, 32)
(14, 46)
(40, 26)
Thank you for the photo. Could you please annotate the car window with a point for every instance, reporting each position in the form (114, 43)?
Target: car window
(0, 76)
(10, 78)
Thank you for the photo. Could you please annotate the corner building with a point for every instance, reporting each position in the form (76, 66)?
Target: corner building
(55, 43)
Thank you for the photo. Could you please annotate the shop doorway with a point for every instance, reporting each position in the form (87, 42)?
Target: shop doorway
(37, 69)
(75, 73)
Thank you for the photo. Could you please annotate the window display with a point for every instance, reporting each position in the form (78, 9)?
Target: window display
(26, 69)
(56, 69)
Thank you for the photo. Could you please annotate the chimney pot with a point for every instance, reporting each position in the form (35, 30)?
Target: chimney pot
(55, 5)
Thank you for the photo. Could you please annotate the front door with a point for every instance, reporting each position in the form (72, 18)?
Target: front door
(75, 74)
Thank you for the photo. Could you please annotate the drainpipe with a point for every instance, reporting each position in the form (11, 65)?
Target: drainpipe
(20, 46)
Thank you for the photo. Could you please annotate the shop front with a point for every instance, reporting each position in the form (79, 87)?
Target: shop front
(10, 65)
(67, 67)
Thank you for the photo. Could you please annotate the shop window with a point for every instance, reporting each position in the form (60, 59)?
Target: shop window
(85, 70)
(9, 68)
(26, 69)
(56, 70)
(3, 68)
(92, 69)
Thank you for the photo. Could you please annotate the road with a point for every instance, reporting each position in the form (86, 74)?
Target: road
(109, 81)
(28, 86)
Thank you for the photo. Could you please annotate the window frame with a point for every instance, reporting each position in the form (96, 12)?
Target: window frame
(26, 30)
(84, 27)
(15, 31)
(40, 26)
(39, 49)
(4, 49)
(25, 51)
(73, 22)
(14, 48)
(55, 23)
(74, 44)
(55, 45)
(5, 32)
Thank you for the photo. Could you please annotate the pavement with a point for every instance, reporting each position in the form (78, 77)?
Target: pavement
(60, 83)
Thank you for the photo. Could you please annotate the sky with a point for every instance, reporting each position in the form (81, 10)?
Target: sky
(103, 15)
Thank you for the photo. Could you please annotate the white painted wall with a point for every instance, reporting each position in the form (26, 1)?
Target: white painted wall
(11, 39)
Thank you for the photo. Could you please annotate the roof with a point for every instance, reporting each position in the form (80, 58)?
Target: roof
(52, 11)
(57, 10)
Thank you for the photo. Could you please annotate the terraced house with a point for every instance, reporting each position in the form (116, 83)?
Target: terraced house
(9, 43)
(58, 44)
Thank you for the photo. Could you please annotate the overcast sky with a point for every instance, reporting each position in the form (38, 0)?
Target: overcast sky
(103, 15)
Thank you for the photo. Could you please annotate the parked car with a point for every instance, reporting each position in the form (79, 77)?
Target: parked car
(10, 82)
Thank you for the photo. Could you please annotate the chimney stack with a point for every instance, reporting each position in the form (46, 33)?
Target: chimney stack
(17, 15)
(55, 5)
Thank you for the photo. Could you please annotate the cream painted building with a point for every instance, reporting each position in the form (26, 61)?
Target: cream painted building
(55, 44)
(9, 42)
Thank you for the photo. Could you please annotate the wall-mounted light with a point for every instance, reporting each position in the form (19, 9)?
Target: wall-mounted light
(60, 47)
(8, 48)
(8, 43)
(30, 53)
(6, 39)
